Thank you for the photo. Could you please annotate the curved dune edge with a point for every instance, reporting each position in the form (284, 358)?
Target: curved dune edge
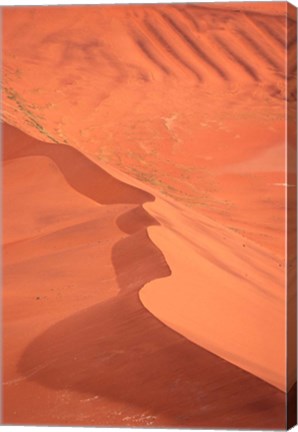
(56, 349)
(226, 294)
(206, 257)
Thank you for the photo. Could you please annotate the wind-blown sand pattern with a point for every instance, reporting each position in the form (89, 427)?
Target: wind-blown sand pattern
(144, 189)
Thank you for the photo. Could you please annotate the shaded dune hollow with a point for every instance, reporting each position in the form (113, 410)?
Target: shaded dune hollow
(77, 339)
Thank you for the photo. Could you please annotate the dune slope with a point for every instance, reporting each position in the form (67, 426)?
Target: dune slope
(146, 178)
(181, 97)
(77, 339)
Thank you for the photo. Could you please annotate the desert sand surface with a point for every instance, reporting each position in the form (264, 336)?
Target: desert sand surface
(187, 98)
(144, 193)
(79, 346)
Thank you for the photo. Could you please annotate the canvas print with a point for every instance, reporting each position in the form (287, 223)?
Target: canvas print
(149, 215)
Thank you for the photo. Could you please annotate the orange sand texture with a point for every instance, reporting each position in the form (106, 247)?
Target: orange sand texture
(144, 189)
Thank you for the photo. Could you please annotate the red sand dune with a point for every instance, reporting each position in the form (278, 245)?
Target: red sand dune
(76, 337)
(193, 90)
(166, 200)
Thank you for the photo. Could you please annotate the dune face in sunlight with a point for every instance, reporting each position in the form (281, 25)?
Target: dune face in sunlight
(145, 187)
